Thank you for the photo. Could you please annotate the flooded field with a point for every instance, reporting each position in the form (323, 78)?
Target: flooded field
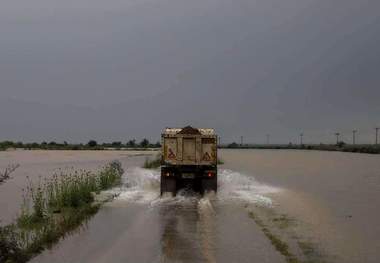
(36, 165)
(271, 206)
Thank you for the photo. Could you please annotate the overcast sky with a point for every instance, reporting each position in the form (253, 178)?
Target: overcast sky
(113, 70)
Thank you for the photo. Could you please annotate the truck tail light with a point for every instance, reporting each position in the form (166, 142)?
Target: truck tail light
(210, 174)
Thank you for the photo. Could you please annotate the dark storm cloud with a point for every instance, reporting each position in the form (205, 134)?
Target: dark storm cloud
(129, 68)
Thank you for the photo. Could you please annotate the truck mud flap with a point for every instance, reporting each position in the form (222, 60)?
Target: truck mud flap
(168, 184)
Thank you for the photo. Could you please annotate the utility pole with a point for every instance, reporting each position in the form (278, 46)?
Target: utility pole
(268, 137)
(354, 136)
(377, 132)
(301, 138)
(337, 137)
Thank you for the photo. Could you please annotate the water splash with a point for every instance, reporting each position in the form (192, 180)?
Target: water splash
(143, 186)
(141, 178)
(140, 185)
(238, 186)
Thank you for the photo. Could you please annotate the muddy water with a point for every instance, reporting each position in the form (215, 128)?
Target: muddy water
(336, 196)
(332, 197)
(36, 165)
(140, 226)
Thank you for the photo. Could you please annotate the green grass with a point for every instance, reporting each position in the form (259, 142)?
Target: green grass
(53, 208)
(307, 248)
(220, 161)
(281, 246)
(152, 163)
(311, 252)
(283, 221)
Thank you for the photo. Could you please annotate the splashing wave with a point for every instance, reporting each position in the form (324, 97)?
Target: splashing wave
(142, 186)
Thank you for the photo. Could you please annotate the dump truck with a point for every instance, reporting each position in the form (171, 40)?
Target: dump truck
(189, 159)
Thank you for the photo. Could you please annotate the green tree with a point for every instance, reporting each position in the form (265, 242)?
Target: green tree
(116, 144)
(341, 144)
(35, 145)
(144, 143)
(233, 145)
(131, 143)
(92, 143)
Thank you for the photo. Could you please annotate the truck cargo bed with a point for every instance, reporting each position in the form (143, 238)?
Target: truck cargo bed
(189, 158)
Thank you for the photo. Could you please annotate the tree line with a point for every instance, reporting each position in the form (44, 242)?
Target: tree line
(340, 146)
(90, 145)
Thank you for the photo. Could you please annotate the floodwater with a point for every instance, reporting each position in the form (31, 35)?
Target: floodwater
(335, 195)
(36, 165)
(332, 197)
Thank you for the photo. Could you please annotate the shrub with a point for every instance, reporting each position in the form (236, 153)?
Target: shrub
(152, 164)
(220, 161)
(92, 143)
(144, 143)
(10, 250)
(5, 175)
(52, 208)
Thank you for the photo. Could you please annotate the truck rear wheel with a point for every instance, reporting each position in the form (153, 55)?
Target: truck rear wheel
(209, 184)
(168, 184)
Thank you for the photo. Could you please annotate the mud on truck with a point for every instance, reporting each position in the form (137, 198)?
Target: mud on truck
(189, 159)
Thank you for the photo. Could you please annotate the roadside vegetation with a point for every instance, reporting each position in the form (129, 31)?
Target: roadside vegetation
(284, 234)
(5, 175)
(152, 163)
(53, 208)
(340, 147)
(90, 145)
(280, 245)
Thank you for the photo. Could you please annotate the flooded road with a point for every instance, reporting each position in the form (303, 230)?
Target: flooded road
(323, 206)
(140, 226)
(334, 196)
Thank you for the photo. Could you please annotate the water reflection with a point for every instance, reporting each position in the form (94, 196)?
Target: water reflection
(187, 231)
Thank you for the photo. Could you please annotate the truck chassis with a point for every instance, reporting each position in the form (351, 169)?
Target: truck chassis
(200, 178)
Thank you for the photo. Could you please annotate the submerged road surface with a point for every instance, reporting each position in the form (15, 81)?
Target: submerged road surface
(139, 226)
(271, 206)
